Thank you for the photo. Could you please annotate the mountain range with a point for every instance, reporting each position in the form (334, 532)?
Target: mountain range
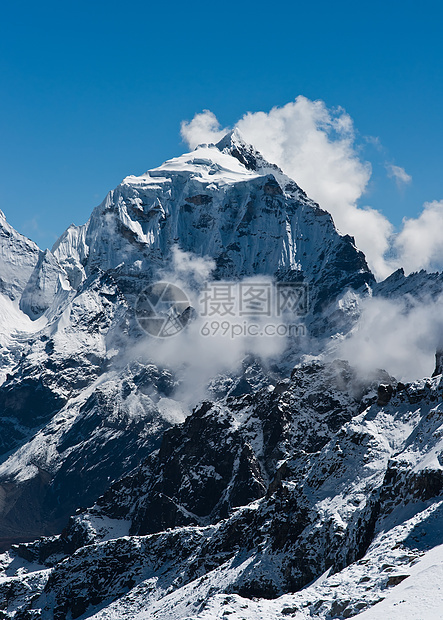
(190, 477)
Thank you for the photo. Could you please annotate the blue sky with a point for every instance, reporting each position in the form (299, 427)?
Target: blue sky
(92, 92)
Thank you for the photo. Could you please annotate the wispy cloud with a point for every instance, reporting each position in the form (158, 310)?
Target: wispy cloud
(375, 142)
(399, 174)
(204, 128)
(400, 336)
(200, 352)
(418, 245)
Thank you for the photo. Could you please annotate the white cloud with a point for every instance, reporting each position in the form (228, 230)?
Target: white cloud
(399, 174)
(203, 129)
(316, 147)
(419, 244)
(373, 234)
(313, 145)
(399, 336)
(195, 269)
(210, 344)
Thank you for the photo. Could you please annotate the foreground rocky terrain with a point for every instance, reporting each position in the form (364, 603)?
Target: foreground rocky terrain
(252, 497)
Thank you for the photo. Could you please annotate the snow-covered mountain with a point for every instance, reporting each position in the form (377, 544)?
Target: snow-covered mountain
(76, 358)
(272, 483)
(221, 201)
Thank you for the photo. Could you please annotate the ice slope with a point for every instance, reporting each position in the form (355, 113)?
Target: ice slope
(18, 258)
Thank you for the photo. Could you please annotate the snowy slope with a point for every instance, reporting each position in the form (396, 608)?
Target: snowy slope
(419, 596)
(18, 258)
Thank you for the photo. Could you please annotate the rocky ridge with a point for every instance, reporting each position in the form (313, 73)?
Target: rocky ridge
(287, 508)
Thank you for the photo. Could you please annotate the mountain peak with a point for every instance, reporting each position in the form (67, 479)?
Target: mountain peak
(223, 201)
(232, 138)
(233, 143)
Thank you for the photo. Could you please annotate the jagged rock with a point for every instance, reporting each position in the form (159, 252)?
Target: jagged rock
(438, 363)
(384, 394)
(315, 516)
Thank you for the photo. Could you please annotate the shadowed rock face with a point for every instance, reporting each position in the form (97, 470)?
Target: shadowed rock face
(438, 363)
(115, 427)
(384, 393)
(26, 405)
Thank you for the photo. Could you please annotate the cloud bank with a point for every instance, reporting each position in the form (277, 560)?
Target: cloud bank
(400, 336)
(419, 245)
(211, 344)
(317, 147)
